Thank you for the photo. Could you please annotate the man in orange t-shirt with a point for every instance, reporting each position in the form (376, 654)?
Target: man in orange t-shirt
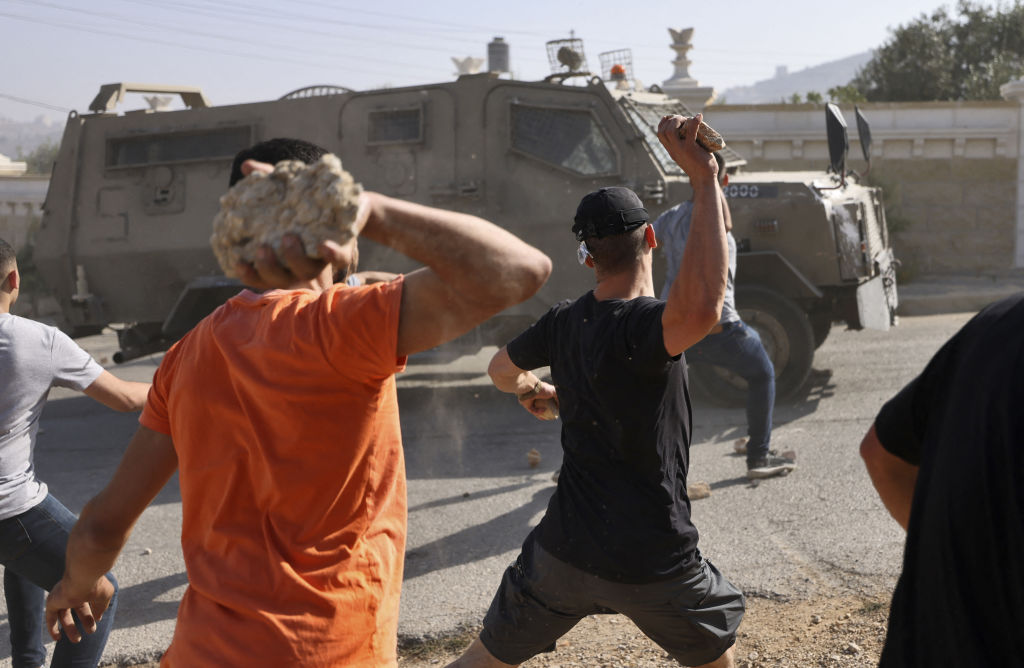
(280, 413)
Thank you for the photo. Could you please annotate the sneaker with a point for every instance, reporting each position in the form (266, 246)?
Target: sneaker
(770, 466)
(740, 445)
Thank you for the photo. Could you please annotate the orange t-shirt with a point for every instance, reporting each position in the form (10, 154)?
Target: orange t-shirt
(284, 416)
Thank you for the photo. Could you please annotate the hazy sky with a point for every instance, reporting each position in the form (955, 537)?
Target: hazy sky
(57, 53)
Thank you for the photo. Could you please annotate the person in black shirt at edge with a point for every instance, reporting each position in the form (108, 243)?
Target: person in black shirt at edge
(617, 535)
(946, 455)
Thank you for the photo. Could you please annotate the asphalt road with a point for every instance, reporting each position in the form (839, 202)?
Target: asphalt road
(473, 497)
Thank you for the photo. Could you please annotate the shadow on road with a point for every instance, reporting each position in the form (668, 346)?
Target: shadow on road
(141, 599)
(819, 386)
(480, 541)
(439, 376)
(706, 410)
(137, 606)
(730, 482)
(440, 503)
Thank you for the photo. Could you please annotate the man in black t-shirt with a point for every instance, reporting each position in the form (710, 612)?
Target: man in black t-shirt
(617, 534)
(946, 455)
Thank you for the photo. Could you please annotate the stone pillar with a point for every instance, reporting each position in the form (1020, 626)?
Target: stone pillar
(681, 85)
(1014, 90)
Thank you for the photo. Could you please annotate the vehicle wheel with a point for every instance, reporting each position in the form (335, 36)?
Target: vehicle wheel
(787, 336)
(821, 324)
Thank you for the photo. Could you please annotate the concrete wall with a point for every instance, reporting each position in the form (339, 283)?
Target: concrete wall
(950, 171)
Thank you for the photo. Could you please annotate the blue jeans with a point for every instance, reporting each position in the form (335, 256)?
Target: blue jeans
(32, 548)
(738, 348)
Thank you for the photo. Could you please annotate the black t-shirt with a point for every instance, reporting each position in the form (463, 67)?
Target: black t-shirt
(960, 598)
(620, 510)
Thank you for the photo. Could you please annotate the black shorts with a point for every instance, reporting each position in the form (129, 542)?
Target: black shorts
(693, 617)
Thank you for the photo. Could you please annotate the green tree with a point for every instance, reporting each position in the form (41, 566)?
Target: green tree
(966, 54)
(847, 94)
(814, 97)
(41, 159)
(795, 98)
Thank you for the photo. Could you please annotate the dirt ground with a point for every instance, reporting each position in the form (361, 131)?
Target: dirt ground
(840, 632)
(833, 632)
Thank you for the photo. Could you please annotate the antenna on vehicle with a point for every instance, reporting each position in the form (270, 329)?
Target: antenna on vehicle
(864, 134)
(838, 142)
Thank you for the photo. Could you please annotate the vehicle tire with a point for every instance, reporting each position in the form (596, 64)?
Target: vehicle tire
(787, 336)
(821, 324)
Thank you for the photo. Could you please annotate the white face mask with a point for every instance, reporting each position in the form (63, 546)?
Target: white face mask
(582, 253)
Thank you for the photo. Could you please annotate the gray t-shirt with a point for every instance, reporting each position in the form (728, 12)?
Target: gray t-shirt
(672, 228)
(33, 358)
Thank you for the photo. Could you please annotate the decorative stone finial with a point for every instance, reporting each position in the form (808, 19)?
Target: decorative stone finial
(467, 65)
(682, 86)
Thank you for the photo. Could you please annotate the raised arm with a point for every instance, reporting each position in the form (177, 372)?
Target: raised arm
(102, 530)
(695, 298)
(121, 395)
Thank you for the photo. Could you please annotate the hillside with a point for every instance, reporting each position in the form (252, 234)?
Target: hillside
(780, 87)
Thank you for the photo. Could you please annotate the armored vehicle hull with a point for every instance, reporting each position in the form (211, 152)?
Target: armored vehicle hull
(125, 234)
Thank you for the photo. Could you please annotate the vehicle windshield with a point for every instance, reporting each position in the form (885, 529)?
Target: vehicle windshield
(646, 116)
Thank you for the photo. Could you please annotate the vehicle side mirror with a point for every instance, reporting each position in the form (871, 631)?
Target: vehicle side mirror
(838, 139)
(864, 132)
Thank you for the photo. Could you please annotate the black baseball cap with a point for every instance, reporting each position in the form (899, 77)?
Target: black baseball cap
(612, 210)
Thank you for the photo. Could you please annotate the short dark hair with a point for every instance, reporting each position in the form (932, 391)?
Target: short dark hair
(8, 258)
(617, 252)
(274, 151)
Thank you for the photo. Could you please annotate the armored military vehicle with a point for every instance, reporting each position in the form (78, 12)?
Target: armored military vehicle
(124, 239)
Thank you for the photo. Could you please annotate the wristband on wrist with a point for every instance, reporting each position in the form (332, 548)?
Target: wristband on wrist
(530, 394)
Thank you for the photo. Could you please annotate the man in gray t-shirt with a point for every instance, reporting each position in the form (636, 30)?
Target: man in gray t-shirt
(34, 526)
(731, 343)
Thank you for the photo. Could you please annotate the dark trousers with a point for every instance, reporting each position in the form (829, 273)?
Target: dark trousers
(32, 549)
(738, 348)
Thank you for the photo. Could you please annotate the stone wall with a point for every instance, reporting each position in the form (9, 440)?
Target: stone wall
(950, 172)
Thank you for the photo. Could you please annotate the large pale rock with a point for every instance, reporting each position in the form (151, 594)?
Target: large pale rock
(708, 137)
(317, 202)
